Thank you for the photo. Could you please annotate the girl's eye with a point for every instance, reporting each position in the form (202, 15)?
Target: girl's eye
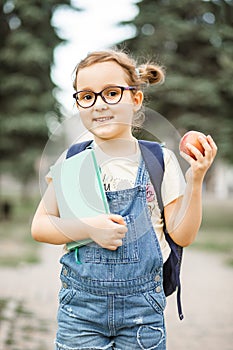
(85, 96)
(112, 92)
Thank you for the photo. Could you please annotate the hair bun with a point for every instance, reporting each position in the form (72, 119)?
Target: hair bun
(152, 73)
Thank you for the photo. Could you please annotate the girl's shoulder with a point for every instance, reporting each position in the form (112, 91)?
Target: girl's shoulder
(168, 155)
(61, 158)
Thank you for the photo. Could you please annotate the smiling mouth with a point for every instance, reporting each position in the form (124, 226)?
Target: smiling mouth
(102, 119)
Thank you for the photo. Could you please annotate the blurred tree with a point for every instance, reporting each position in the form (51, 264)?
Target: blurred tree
(193, 40)
(27, 41)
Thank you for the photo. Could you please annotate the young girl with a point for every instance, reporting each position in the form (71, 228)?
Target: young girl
(114, 298)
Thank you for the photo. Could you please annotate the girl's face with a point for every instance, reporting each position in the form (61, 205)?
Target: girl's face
(103, 120)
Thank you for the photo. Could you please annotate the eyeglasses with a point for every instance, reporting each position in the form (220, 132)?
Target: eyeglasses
(111, 95)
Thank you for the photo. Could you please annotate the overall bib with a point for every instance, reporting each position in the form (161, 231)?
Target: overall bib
(115, 299)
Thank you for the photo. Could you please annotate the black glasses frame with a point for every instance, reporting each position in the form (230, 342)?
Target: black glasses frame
(123, 88)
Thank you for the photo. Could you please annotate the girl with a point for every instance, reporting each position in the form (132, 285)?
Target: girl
(114, 299)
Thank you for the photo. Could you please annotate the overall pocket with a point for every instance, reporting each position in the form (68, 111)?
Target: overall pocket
(156, 300)
(127, 253)
(65, 296)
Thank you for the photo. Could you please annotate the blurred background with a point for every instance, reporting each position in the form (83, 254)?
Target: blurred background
(40, 44)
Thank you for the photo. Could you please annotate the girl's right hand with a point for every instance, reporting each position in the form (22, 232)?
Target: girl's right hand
(107, 230)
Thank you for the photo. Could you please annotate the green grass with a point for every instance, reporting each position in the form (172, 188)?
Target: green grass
(17, 245)
(3, 304)
(216, 233)
(218, 215)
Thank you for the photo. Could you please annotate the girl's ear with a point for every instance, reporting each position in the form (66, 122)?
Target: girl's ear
(138, 99)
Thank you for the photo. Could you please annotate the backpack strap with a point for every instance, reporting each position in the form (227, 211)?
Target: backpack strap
(77, 148)
(153, 157)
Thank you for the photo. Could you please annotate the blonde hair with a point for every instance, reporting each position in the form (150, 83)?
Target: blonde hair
(149, 73)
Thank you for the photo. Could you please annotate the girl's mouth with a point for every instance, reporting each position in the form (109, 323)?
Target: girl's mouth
(102, 119)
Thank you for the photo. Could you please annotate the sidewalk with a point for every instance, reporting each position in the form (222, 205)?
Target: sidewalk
(31, 303)
(207, 305)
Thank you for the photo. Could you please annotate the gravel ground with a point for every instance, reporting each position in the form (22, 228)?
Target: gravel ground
(28, 304)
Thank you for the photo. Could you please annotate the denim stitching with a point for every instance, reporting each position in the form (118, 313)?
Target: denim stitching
(154, 328)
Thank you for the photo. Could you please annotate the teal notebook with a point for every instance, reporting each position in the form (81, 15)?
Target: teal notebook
(79, 189)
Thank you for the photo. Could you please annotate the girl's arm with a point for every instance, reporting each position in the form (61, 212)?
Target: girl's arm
(106, 230)
(183, 216)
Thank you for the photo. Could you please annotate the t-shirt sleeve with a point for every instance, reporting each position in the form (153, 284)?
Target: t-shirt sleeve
(173, 185)
(48, 176)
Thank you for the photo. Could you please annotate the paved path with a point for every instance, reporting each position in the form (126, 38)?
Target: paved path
(207, 304)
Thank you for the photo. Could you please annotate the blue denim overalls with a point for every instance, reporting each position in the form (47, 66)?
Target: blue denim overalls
(115, 299)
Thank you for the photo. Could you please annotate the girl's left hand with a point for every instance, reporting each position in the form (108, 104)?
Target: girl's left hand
(200, 165)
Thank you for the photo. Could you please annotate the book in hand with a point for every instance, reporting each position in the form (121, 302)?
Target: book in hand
(79, 189)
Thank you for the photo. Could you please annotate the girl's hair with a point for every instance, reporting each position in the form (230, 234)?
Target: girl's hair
(149, 73)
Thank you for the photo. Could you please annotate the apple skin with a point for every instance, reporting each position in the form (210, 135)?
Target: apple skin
(192, 138)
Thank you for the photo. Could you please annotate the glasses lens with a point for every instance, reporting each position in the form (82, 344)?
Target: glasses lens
(85, 98)
(112, 94)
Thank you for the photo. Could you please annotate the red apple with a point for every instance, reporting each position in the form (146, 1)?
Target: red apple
(192, 138)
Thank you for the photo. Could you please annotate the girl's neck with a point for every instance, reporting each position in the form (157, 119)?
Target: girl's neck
(118, 147)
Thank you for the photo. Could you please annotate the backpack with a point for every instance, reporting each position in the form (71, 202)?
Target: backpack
(152, 154)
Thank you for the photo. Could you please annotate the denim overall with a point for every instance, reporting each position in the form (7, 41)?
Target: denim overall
(115, 299)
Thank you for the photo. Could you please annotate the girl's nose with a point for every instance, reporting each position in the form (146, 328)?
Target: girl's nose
(100, 104)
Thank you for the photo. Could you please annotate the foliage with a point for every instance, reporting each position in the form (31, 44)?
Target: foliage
(18, 246)
(193, 39)
(27, 41)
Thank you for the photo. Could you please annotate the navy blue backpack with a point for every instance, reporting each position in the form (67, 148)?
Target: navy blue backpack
(152, 154)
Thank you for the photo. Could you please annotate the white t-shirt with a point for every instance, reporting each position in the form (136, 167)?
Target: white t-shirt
(120, 173)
